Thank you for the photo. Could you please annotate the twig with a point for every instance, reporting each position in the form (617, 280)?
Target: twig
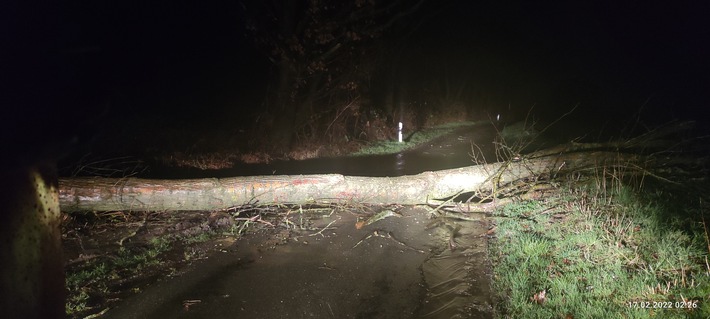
(387, 235)
(98, 314)
(705, 228)
(340, 113)
(320, 232)
(559, 118)
(431, 212)
(132, 234)
(256, 218)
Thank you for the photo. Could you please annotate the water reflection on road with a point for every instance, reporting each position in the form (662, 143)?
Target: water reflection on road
(449, 151)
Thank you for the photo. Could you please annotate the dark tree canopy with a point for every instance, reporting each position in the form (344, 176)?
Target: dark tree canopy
(323, 54)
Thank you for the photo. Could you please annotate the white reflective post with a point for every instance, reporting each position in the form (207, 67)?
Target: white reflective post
(399, 132)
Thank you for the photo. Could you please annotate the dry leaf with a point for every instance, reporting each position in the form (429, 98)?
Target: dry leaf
(539, 297)
(491, 231)
(191, 302)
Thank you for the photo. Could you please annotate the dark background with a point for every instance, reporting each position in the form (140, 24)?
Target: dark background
(71, 67)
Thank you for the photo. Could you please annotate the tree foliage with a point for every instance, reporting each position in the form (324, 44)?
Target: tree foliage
(323, 53)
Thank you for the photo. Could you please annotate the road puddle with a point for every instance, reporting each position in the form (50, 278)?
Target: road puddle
(456, 278)
(397, 267)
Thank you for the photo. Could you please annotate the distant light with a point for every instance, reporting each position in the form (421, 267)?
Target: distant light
(498, 117)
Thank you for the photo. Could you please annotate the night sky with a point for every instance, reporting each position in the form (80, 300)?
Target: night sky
(191, 62)
(613, 56)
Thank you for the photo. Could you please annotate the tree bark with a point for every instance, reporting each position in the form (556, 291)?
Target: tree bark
(31, 261)
(110, 194)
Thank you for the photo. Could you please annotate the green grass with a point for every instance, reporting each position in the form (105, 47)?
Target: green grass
(417, 139)
(199, 238)
(89, 284)
(594, 253)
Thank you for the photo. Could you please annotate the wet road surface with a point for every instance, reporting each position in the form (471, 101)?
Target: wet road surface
(394, 268)
(449, 151)
(404, 266)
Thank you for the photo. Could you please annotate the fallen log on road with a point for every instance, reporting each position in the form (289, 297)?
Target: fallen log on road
(134, 194)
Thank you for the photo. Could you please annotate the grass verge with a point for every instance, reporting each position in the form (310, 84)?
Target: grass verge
(596, 252)
(96, 277)
(110, 265)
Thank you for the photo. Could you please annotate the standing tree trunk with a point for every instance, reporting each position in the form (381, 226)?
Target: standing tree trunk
(31, 263)
(283, 118)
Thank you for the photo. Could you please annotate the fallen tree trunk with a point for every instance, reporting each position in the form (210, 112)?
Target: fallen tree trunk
(111, 194)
